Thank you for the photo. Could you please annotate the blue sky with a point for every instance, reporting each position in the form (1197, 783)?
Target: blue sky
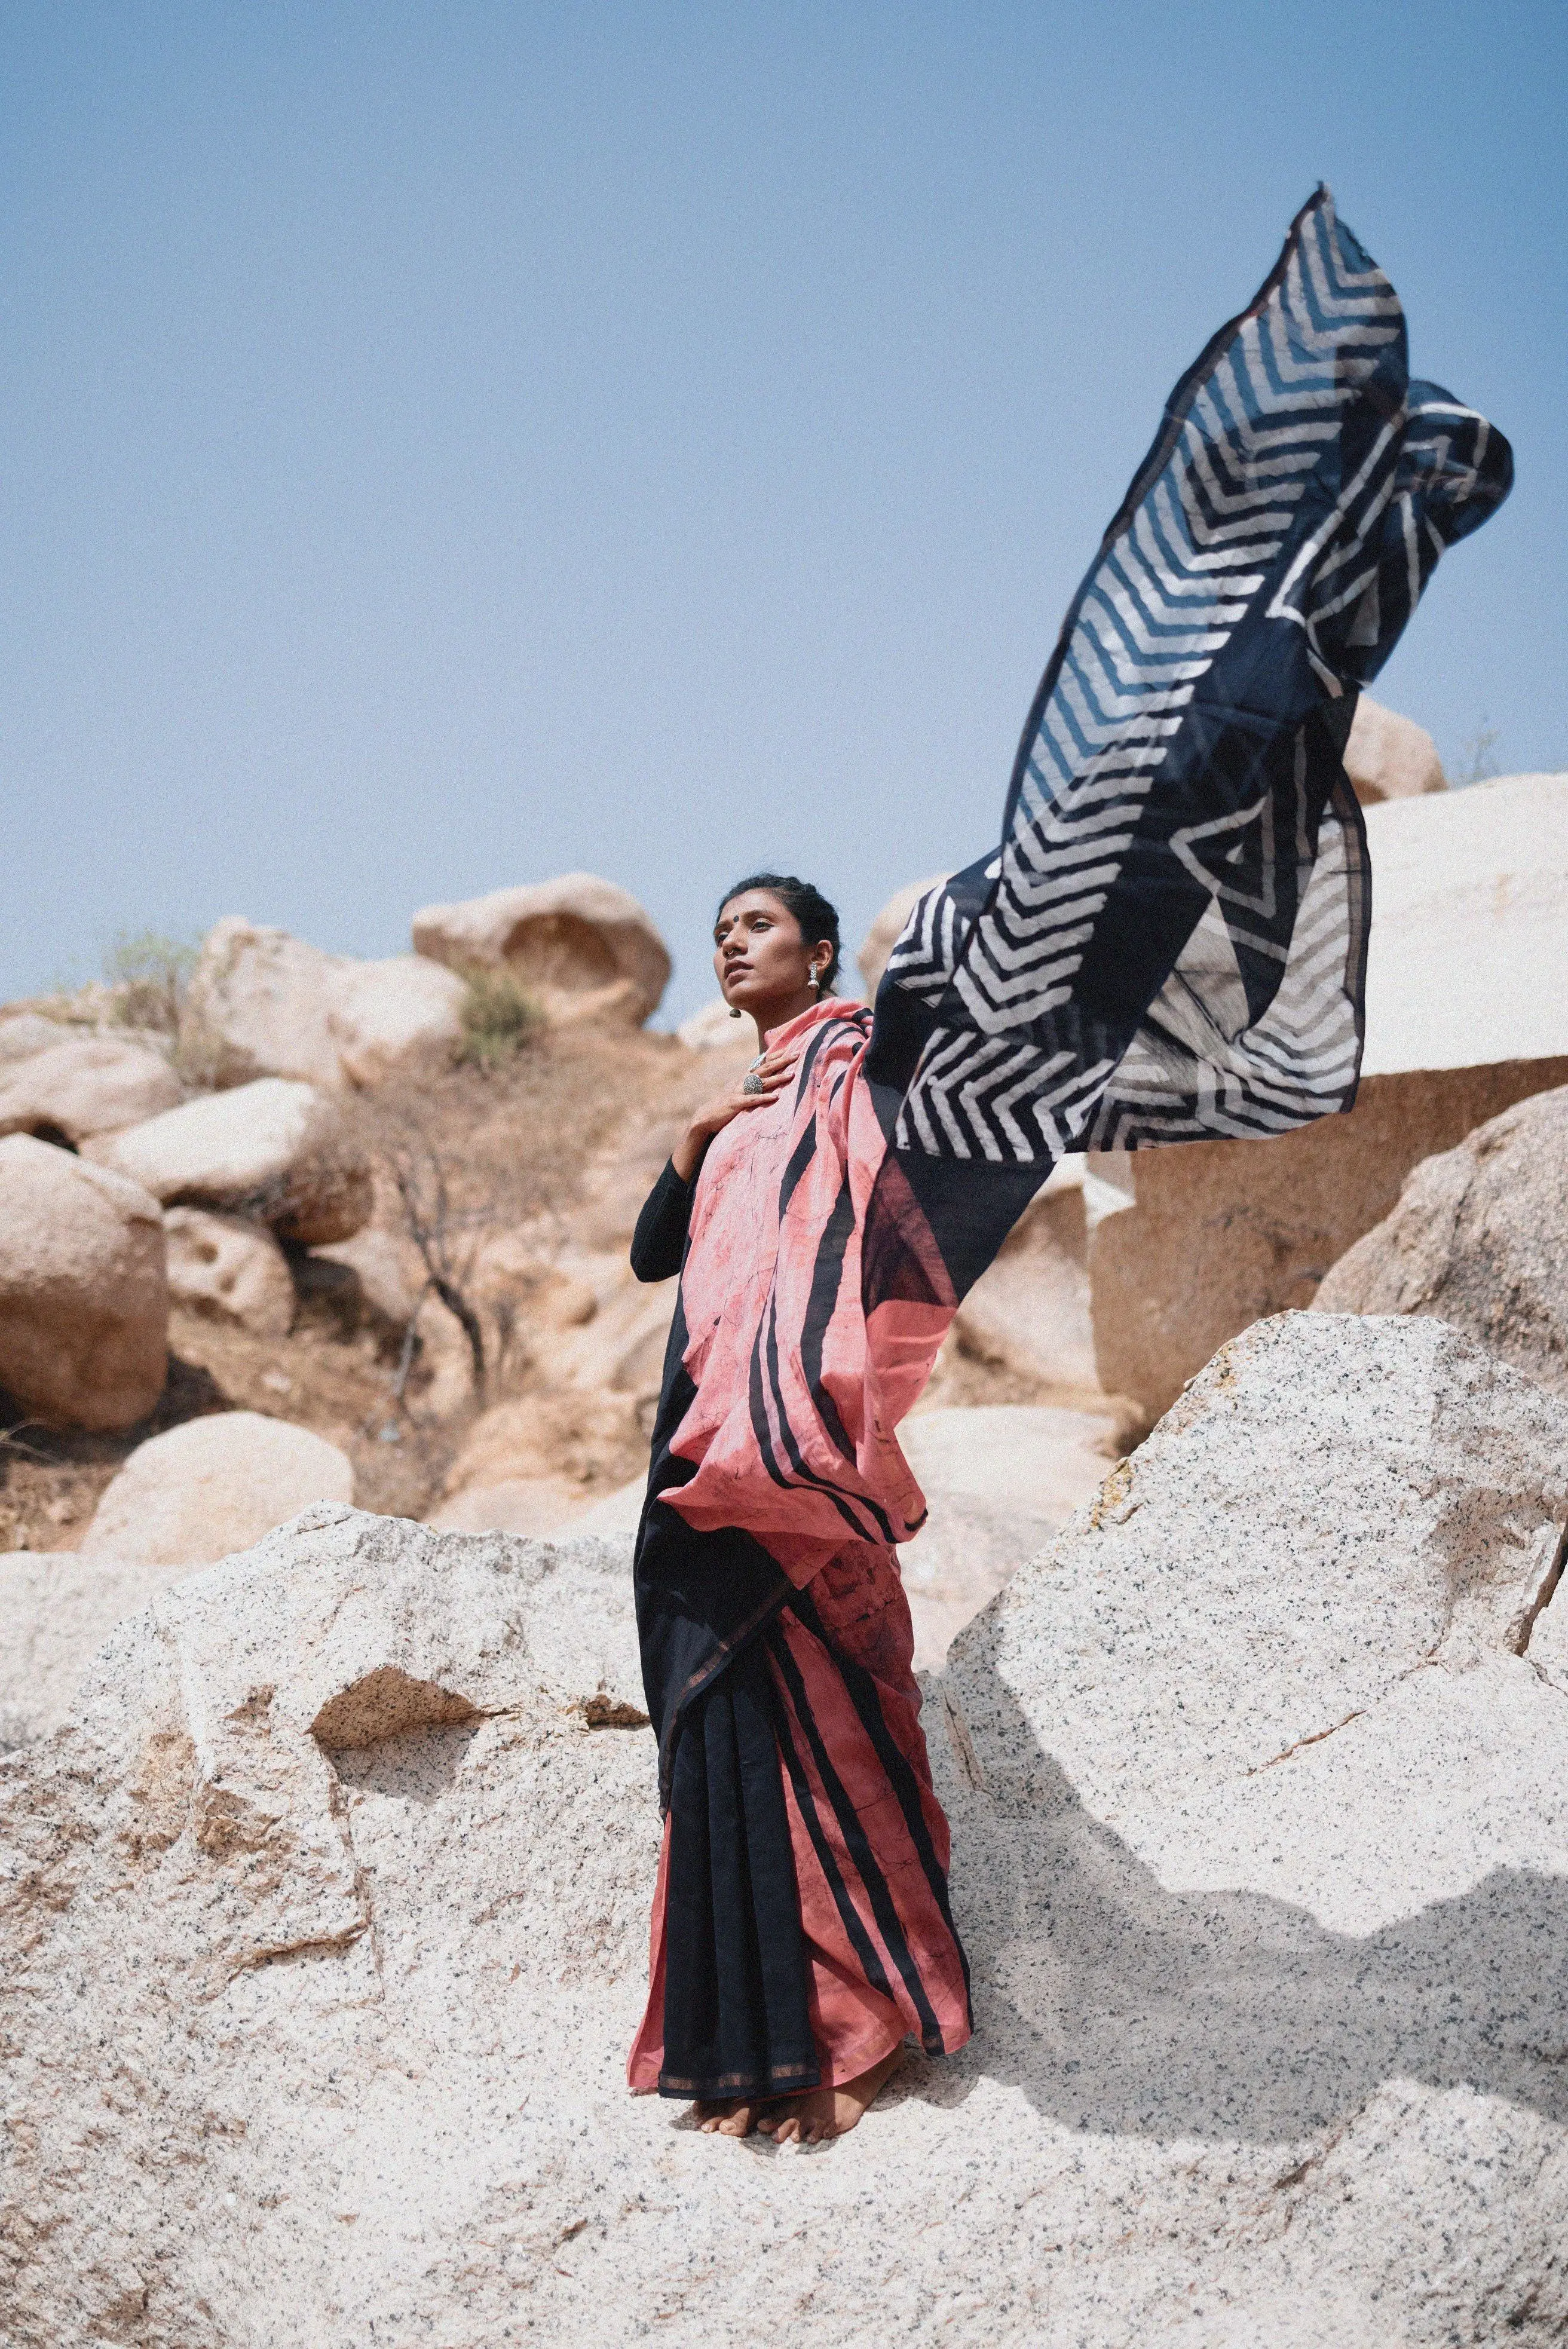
(451, 445)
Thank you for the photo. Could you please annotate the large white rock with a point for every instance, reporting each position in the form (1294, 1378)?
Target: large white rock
(211, 1487)
(1467, 1013)
(1388, 756)
(1479, 1238)
(1262, 2062)
(999, 1479)
(1468, 960)
(584, 947)
(230, 1269)
(84, 1084)
(84, 1296)
(273, 1150)
(384, 1010)
(1263, 1847)
(257, 1006)
(263, 1003)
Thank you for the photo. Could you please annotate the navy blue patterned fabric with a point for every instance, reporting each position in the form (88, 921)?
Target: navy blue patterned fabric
(1169, 942)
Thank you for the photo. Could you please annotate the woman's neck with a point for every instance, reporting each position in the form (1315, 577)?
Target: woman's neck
(771, 1017)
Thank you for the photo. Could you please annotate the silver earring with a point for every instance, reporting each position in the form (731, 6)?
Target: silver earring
(815, 984)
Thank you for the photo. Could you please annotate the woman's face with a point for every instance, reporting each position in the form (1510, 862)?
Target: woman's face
(759, 954)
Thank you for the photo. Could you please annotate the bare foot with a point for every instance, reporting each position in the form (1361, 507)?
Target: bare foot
(828, 2112)
(727, 2116)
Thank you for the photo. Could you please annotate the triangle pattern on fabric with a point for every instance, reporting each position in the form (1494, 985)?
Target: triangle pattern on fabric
(1232, 856)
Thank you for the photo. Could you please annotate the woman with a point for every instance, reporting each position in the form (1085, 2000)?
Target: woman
(1169, 944)
(801, 1925)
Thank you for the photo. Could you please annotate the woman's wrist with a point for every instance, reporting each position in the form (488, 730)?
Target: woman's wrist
(687, 1156)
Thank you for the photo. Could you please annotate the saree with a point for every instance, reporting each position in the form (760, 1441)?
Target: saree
(1167, 944)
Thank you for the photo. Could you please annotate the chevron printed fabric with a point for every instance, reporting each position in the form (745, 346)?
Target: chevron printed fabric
(1169, 944)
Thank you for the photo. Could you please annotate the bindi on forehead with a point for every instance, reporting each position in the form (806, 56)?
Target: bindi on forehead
(761, 906)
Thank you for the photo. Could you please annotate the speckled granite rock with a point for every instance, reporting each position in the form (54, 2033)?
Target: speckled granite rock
(324, 1922)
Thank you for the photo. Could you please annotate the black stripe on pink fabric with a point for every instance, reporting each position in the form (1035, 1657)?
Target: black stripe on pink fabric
(766, 1344)
(827, 1274)
(862, 1692)
(850, 1917)
(800, 1157)
(885, 1909)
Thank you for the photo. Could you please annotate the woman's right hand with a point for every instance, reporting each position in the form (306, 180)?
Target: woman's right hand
(774, 1070)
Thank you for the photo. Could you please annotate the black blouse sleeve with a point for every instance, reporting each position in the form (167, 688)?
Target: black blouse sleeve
(659, 1241)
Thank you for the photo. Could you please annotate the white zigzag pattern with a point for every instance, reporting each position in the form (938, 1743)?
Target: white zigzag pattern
(1162, 602)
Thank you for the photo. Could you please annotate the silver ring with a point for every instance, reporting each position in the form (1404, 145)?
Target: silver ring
(752, 1082)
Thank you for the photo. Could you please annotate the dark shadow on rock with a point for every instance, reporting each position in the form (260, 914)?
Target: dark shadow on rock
(1121, 2007)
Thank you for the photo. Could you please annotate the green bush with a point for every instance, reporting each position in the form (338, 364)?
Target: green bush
(497, 1016)
(148, 975)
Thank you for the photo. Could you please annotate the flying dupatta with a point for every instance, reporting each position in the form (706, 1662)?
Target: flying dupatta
(1168, 945)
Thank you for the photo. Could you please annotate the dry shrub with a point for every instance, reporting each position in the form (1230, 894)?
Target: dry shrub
(499, 1016)
(148, 975)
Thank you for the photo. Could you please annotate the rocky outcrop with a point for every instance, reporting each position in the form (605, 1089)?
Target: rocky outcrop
(581, 947)
(999, 1479)
(264, 1004)
(212, 1487)
(84, 1296)
(1258, 1854)
(273, 1150)
(883, 936)
(1467, 1013)
(1261, 1849)
(81, 1085)
(1390, 758)
(1479, 1238)
(229, 1269)
(57, 1610)
(382, 1011)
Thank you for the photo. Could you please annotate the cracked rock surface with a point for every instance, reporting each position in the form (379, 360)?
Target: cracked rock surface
(322, 1929)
